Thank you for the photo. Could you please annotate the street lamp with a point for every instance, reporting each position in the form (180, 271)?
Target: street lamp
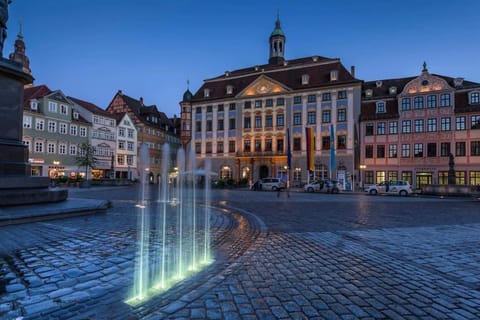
(362, 167)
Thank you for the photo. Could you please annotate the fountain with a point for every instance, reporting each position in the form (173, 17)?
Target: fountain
(173, 228)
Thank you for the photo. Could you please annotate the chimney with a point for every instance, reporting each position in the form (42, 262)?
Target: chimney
(120, 92)
(352, 71)
(141, 100)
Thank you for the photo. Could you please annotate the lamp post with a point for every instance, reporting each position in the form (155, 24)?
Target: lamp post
(362, 180)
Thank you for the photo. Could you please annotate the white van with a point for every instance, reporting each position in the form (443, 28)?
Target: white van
(402, 188)
(272, 184)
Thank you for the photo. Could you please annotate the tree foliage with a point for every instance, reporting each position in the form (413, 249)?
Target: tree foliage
(86, 157)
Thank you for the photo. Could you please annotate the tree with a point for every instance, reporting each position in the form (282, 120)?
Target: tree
(86, 157)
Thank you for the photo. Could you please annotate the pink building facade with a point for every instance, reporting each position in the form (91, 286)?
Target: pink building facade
(412, 128)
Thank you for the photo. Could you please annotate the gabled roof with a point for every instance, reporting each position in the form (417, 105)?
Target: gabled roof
(36, 92)
(289, 74)
(91, 107)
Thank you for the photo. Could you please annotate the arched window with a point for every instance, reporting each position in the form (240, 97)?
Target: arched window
(226, 173)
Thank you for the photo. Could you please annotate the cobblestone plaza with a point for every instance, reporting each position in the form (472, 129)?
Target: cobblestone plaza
(307, 256)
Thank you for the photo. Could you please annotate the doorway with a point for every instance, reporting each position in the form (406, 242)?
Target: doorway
(263, 172)
(423, 178)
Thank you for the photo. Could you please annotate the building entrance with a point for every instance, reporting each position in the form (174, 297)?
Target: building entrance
(423, 178)
(263, 172)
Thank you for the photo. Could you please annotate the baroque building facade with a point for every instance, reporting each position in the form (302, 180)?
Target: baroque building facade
(413, 128)
(246, 119)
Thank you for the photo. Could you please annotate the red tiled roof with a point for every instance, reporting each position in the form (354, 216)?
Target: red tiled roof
(36, 92)
(90, 107)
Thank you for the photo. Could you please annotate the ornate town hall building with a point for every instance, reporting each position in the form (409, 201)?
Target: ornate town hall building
(240, 119)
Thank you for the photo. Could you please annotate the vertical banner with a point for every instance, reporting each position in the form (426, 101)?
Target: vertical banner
(332, 152)
(289, 150)
(310, 148)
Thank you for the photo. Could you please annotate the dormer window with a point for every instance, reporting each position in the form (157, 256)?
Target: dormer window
(229, 89)
(206, 93)
(392, 90)
(305, 79)
(75, 115)
(381, 107)
(33, 105)
(334, 75)
(368, 93)
(378, 83)
(458, 82)
(475, 97)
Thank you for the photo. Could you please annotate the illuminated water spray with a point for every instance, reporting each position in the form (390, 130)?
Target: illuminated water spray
(173, 228)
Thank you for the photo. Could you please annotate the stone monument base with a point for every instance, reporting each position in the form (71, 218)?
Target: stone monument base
(28, 190)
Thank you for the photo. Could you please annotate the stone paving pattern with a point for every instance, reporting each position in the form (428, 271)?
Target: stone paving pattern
(273, 261)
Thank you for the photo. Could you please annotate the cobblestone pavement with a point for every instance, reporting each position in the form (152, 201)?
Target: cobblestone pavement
(309, 256)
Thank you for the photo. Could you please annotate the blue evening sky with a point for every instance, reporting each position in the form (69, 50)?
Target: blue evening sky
(150, 48)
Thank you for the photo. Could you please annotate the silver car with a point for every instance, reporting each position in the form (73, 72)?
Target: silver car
(402, 188)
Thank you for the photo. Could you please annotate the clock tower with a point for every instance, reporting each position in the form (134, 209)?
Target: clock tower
(277, 44)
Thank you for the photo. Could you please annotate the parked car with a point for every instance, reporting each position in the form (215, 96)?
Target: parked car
(402, 188)
(328, 186)
(272, 184)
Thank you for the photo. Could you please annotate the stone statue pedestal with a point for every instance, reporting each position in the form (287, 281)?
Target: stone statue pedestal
(16, 184)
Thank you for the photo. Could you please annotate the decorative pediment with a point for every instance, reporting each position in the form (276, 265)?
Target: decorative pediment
(426, 83)
(59, 96)
(261, 86)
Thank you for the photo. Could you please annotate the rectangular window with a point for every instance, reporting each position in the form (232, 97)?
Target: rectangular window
(432, 125)
(209, 125)
(342, 94)
(121, 144)
(297, 100)
(27, 122)
(445, 124)
(381, 107)
(280, 101)
(39, 124)
(258, 103)
(326, 116)
(475, 122)
(406, 104)
(460, 149)
(297, 144)
(62, 148)
(269, 121)
(258, 121)
(418, 125)
(198, 110)
(297, 118)
(380, 151)
(418, 150)
(475, 178)
(311, 117)
(431, 149)
(280, 120)
(279, 145)
(220, 147)
(342, 142)
(83, 132)
(369, 129)
(444, 149)
(220, 107)
(326, 96)
(258, 145)
(121, 132)
(431, 101)
(418, 103)
(445, 100)
(268, 144)
(341, 115)
(209, 109)
(130, 145)
(393, 127)
(198, 147)
(325, 142)
(73, 130)
(52, 106)
(130, 133)
(63, 109)
(208, 147)
(120, 159)
(475, 148)
(231, 123)
(220, 124)
(247, 105)
(392, 151)
(474, 98)
(405, 151)
(380, 128)
(50, 147)
(369, 151)
(406, 126)
(269, 103)
(73, 150)
(231, 146)
(311, 98)
(38, 146)
(129, 159)
(198, 126)
(461, 123)
(232, 106)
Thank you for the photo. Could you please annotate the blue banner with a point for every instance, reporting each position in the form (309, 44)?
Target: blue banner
(332, 152)
(289, 150)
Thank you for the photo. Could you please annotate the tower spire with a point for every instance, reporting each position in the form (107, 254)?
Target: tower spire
(277, 43)
(19, 55)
